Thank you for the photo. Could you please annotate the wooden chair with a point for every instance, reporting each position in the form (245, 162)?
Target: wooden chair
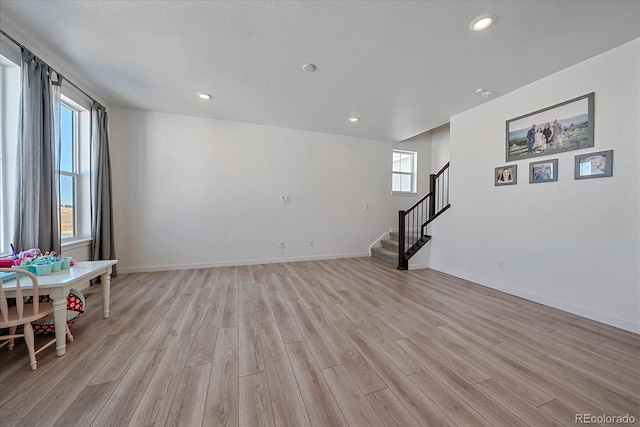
(24, 314)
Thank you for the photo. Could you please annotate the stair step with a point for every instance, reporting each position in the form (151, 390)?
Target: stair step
(385, 255)
(389, 250)
(392, 245)
(411, 235)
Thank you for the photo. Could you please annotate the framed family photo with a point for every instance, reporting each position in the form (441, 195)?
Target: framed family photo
(506, 175)
(543, 171)
(594, 165)
(562, 127)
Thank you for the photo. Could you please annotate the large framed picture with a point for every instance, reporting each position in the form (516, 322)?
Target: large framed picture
(506, 175)
(562, 127)
(543, 171)
(594, 165)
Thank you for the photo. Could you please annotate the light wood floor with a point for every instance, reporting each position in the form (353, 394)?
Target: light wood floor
(324, 343)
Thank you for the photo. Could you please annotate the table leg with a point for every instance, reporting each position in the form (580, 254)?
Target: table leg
(105, 283)
(60, 321)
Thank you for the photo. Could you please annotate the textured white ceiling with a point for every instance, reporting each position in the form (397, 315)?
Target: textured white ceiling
(403, 67)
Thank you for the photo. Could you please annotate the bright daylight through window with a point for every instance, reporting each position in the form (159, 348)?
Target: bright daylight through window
(74, 159)
(68, 170)
(404, 172)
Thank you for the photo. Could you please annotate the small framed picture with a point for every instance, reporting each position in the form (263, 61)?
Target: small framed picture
(506, 175)
(543, 171)
(594, 165)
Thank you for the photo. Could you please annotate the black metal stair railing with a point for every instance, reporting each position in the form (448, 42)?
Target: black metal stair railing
(412, 223)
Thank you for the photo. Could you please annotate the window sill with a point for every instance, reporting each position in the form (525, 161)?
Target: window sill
(73, 244)
(404, 193)
(76, 243)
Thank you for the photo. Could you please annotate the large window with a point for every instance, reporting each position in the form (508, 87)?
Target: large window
(404, 177)
(74, 171)
(74, 126)
(9, 110)
(68, 170)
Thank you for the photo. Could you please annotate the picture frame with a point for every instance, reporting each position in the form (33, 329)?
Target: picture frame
(594, 165)
(570, 127)
(543, 171)
(501, 177)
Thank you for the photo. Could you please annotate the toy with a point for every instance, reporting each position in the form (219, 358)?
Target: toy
(75, 309)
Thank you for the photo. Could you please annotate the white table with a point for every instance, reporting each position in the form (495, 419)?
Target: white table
(57, 286)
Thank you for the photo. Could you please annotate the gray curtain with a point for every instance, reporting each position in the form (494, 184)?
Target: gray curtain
(103, 246)
(37, 219)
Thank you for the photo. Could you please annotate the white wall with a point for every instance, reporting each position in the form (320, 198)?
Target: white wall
(571, 244)
(440, 147)
(195, 192)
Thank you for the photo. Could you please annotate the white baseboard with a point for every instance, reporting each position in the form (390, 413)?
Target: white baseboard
(153, 268)
(421, 266)
(589, 314)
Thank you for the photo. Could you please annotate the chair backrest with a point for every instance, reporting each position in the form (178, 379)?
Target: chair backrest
(4, 305)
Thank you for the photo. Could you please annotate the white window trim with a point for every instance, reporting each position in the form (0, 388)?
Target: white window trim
(69, 244)
(9, 96)
(75, 175)
(414, 175)
(82, 196)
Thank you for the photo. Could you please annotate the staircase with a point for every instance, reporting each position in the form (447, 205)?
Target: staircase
(388, 251)
(412, 223)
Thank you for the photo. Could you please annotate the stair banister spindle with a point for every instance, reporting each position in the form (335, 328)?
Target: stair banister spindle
(440, 192)
(420, 218)
(440, 181)
(447, 186)
(424, 219)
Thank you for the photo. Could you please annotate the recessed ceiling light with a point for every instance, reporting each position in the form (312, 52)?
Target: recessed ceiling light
(354, 119)
(310, 68)
(485, 92)
(204, 95)
(482, 22)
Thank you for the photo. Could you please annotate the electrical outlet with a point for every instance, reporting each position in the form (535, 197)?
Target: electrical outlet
(500, 265)
(281, 245)
(288, 197)
(310, 243)
(366, 206)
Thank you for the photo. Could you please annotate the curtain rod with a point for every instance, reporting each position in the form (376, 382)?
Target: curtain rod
(21, 46)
